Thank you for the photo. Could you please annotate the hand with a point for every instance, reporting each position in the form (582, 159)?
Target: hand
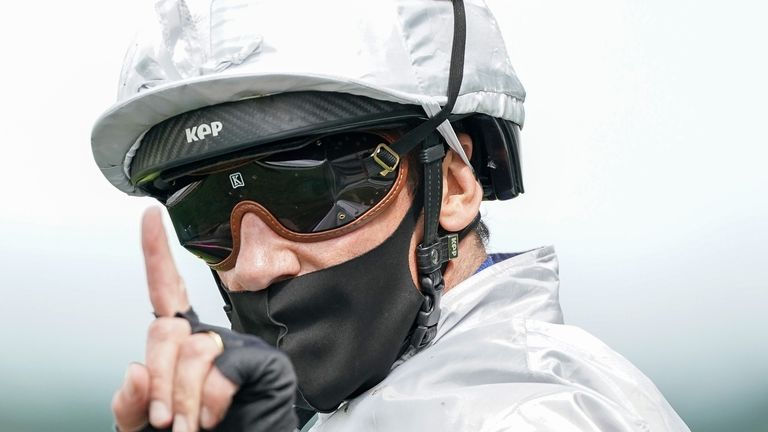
(178, 383)
(187, 381)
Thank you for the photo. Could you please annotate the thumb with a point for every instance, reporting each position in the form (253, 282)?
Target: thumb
(166, 288)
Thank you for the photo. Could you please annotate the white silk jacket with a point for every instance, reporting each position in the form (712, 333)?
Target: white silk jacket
(504, 361)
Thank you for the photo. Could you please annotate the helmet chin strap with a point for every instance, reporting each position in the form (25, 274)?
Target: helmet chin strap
(434, 250)
(437, 247)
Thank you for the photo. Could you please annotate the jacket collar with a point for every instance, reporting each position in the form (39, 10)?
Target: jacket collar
(524, 285)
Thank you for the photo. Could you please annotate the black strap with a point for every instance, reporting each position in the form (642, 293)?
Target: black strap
(430, 275)
(433, 190)
(407, 142)
(430, 267)
(455, 76)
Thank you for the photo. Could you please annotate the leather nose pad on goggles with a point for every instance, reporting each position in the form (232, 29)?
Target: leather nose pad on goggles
(339, 212)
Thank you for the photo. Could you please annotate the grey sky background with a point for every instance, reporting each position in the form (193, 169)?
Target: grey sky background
(643, 158)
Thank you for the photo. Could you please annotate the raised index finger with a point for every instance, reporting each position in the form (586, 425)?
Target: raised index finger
(166, 288)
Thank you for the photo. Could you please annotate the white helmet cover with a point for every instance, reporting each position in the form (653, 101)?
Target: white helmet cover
(199, 53)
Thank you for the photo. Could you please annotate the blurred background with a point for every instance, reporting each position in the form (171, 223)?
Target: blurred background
(644, 161)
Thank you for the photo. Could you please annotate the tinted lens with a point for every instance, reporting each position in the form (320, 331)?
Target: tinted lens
(319, 187)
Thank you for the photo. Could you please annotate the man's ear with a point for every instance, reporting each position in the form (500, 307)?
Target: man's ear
(462, 192)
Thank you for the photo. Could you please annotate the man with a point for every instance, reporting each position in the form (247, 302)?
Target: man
(327, 160)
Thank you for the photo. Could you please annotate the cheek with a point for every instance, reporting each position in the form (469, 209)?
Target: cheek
(350, 246)
(324, 254)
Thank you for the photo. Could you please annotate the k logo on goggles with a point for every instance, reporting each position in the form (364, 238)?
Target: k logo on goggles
(326, 187)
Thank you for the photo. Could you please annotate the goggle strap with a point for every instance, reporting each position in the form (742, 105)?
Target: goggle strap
(455, 76)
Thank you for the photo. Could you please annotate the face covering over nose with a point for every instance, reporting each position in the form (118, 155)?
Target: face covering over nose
(342, 327)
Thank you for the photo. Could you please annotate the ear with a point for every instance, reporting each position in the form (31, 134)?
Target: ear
(462, 192)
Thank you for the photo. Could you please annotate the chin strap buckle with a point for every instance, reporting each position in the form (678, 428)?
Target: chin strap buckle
(430, 260)
(426, 322)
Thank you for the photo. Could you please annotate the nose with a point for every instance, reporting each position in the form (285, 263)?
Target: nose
(264, 258)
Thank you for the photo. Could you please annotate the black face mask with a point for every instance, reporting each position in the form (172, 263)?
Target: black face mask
(342, 327)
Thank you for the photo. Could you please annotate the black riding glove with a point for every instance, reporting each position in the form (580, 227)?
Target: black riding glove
(264, 402)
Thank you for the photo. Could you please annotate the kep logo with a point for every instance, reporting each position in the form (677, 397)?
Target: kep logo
(199, 132)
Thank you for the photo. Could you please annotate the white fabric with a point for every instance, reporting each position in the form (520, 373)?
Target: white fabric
(503, 361)
(198, 53)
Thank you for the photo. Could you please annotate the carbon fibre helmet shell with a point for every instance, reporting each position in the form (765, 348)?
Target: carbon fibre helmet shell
(257, 125)
(261, 124)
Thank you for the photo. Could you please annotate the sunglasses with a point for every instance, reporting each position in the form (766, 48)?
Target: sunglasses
(319, 189)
